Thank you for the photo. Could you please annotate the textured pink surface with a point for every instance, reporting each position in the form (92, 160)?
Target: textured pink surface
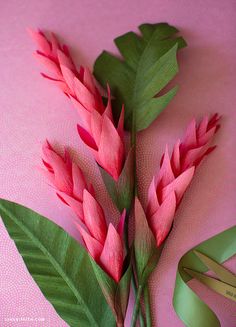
(32, 109)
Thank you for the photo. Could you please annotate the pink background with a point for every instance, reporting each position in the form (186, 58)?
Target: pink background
(32, 109)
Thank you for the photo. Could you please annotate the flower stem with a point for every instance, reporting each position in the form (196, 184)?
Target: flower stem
(136, 306)
(147, 306)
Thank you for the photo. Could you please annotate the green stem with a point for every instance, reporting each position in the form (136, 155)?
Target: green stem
(133, 283)
(136, 307)
(147, 306)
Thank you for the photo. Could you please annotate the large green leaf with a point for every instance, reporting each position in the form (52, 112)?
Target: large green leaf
(148, 64)
(59, 265)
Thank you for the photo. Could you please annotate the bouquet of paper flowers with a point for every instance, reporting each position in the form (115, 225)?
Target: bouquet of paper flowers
(90, 285)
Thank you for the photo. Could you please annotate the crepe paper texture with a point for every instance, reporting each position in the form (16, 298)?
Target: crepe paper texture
(148, 64)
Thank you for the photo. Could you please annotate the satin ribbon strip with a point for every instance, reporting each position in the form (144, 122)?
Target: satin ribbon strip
(188, 306)
(225, 285)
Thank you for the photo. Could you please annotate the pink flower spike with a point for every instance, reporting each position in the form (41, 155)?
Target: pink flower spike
(112, 254)
(99, 133)
(169, 185)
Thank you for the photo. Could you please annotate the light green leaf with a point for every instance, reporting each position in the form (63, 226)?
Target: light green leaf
(188, 306)
(59, 265)
(148, 65)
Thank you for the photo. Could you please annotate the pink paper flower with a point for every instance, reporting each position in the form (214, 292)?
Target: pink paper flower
(98, 132)
(168, 186)
(105, 244)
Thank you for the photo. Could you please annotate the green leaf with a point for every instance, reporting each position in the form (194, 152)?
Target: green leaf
(188, 306)
(145, 249)
(59, 265)
(116, 294)
(148, 64)
(121, 192)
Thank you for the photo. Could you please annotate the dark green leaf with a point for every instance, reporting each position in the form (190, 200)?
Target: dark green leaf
(149, 63)
(59, 265)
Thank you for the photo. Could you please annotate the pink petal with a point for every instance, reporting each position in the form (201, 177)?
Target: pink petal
(62, 176)
(93, 246)
(48, 63)
(202, 128)
(84, 114)
(55, 45)
(94, 217)
(179, 185)
(86, 138)
(111, 149)
(193, 156)
(162, 219)
(64, 60)
(69, 77)
(120, 226)
(79, 183)
(166, 174)
(96, 126)
(74, 204)
(41, 41)
(205, 138)
(175, 159)
(153, 203)
(85, 97)
(88, 81)
(190, 138)
(213, 121)
(112, 255)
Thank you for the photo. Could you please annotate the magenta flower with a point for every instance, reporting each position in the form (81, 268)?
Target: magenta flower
(168, 186)
(105, 244)
(99, 133)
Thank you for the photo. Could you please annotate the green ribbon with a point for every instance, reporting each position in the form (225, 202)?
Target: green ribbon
(188, 306)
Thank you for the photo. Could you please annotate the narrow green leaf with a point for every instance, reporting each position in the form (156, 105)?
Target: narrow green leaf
(145, 249)
(121, 192)
(59, 265)
(149, 63)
